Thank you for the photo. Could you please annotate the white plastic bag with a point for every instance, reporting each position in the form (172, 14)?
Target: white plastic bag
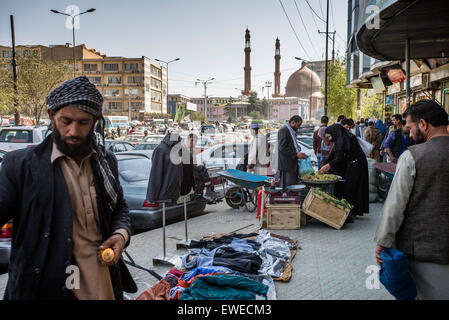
(366, 146)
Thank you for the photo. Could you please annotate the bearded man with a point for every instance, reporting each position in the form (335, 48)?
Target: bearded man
(415, 216)
(67, 205)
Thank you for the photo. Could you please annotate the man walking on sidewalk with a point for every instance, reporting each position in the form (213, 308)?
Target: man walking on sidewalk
(415, 216)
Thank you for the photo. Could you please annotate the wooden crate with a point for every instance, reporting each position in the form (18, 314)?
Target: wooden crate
(283, 216)
(315, 206)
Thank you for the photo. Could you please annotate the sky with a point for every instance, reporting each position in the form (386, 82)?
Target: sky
(207, 35)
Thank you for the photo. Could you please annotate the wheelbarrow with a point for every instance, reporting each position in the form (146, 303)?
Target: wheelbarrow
(244, 193)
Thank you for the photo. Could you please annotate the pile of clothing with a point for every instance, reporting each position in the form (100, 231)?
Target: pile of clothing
(228, 267)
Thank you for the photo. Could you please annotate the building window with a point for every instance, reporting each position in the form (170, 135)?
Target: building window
(135, 106)
(156, 84)
(131, 67)
(113, 105)
(156, 96)
(134, 92)
(7, 54)
(156, 72)
(112, 93)
(115, 80)
(95, 80)
(111, 67)
(90, 67)
(135, 80)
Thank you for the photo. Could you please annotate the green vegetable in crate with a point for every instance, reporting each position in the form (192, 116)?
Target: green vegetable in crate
(330, 199)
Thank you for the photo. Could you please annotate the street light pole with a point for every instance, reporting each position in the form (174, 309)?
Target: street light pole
(204, 82)
(166, 66)
(73, 32)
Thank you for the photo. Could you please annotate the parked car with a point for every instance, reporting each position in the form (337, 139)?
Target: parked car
(134, 138)
(2, 154)
(134, 174)
(118, 146)
(225, 155)
(153, 138)
(146, 146)
(5, 233)
(19, 137)
(5, 243)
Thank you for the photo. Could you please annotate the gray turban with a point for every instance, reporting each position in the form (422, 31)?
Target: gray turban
(79, 92)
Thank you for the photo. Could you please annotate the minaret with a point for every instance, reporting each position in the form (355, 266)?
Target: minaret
(277, 70)
(247, 91)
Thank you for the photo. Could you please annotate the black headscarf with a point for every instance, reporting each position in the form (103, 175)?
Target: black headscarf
(340, 136)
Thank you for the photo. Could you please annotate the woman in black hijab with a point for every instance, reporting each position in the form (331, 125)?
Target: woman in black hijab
(349, 161)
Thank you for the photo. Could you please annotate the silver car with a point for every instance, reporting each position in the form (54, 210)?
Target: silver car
(19, 137)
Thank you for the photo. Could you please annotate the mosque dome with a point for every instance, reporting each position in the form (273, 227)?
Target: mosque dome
(303, 83)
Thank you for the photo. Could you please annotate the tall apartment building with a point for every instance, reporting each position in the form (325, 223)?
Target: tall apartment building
(137, 83)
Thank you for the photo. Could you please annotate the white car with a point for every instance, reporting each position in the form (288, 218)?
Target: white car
(226, 155)
(19, 137)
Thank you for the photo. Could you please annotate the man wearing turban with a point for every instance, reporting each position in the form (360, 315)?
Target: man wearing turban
(67, 205)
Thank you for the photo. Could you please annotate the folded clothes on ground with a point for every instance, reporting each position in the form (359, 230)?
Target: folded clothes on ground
(225, 287)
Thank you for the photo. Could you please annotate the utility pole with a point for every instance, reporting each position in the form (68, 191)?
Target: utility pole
(204, 82)
(326, 72)
(268, 85)
(14, 72)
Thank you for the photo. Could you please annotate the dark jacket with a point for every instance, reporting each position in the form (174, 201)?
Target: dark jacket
(287, 160)
(166, 176)
(33, 193)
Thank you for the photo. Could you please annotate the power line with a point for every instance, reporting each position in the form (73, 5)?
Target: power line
(305, 28)
(294, 30)
(315, 12)
(321, 8)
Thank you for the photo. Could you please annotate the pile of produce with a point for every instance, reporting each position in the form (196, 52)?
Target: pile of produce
(319, 177)
(330, 199)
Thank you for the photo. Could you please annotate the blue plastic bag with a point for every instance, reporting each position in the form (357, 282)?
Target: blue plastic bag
(305, 166)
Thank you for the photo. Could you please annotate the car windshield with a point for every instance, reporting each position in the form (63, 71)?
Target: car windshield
(16, 136)
(133, 138)
(135, 169)
(146, 146)
(154, 138)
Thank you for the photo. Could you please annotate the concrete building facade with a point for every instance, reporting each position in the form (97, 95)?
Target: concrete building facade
(135, 83)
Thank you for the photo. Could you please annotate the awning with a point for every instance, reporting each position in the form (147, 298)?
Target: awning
(424, 22)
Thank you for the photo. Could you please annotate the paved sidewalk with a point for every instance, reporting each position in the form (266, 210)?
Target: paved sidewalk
(330, 266)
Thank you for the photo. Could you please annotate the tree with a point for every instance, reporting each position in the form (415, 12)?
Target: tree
(6, 91)
(264, 105)
(370, 104)
(340, 98)
(36, 78)
(254, 103)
